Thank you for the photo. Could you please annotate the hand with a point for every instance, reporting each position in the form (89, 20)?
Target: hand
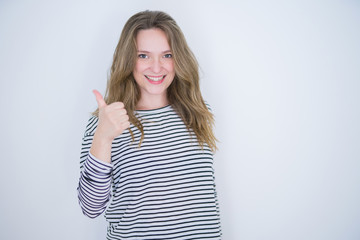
(113, 119)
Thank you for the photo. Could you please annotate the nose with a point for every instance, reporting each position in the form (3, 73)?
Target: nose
(156, 65)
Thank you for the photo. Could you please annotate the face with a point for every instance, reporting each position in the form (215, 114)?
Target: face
(154, 70)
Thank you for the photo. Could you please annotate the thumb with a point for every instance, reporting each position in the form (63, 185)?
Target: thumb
(99, 98)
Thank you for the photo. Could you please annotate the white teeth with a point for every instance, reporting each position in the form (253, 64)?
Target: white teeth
(156, 79)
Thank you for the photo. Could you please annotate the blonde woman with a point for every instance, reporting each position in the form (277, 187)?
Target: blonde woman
(147, 152)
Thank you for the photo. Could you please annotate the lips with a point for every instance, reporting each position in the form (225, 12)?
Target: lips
(155, 79)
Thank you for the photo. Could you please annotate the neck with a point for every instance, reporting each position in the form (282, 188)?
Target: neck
(152, 102)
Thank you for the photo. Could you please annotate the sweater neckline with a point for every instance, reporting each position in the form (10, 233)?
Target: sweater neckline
(154, 111)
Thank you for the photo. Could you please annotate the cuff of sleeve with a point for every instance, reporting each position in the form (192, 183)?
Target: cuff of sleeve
(99, 165)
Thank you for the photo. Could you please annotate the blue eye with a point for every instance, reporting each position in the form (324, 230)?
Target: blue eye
(169, 55)
(142, 56)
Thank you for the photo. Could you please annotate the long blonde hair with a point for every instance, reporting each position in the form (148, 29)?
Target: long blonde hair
(183, 93)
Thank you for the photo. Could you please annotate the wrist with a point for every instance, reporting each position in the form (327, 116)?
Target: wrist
(102, 138)
(101, 148)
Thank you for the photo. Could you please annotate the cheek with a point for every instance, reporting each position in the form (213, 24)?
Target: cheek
(140, 67)
(170, 66)
(137, 73)
(137, 68)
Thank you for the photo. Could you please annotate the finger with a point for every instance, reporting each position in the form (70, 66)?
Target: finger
(99, 99)
(123, 118)
(126, 125)
(117, 105)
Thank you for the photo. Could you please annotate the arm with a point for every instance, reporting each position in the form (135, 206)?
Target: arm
(95, 177)
(94, 187)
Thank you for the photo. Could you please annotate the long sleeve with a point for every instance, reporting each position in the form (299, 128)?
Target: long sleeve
(95, 177)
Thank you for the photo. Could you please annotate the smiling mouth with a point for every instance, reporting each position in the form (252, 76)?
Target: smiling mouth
(155, 79)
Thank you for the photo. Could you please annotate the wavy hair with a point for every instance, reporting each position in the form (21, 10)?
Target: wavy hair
(183, 93)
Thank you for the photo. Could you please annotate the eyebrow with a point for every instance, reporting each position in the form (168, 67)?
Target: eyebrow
(143, 51)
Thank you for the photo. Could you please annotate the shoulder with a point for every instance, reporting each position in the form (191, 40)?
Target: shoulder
(91, 125)
(208, 106)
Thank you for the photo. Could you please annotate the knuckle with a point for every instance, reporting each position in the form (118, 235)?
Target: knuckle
(124, 112)
(126, 125)
(118, 104)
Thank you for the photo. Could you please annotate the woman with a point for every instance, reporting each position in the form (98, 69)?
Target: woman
(147, 151)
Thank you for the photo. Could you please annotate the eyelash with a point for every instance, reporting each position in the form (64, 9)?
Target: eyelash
(168, 55)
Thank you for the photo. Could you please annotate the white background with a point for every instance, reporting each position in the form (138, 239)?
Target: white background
(282, 77)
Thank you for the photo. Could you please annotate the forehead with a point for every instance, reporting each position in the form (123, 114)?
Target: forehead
(152, 40)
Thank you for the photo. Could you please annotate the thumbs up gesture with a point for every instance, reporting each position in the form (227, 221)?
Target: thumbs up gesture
(113, 118)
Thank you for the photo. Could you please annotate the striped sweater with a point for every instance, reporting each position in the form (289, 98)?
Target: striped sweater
(164, 189)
